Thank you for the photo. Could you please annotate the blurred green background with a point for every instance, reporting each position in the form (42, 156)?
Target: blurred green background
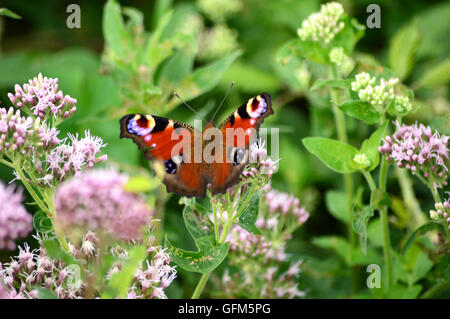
(41, 42)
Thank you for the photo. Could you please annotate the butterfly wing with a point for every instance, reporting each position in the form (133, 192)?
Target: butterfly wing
(239, 130)
(169, 143)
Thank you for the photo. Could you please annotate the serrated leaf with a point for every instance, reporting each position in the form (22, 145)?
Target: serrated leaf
(141, 184)
(336, 202)
(361, 216)
(421, 231)
(200, 261)
(370, 146)
(250, 215)
(336, 155)
(42, 223)
(361, 110)
(403, 49)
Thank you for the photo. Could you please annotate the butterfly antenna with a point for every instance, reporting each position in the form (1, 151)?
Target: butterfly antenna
(184, 102)
(223, 100)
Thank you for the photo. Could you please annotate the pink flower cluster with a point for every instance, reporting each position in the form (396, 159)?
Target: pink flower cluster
(418, 148)
(259, 162)
(248, 244)
(42, 97)
(96, 200)
(32, 269)
(18, 134)
(151, 280)
(15, 221)
(441, 212)
(285, 204)
(68, 159)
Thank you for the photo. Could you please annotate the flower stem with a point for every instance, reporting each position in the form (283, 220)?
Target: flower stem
(339, 119)
(409, 198)
(385, 224)
(30, 188)
(200, 285)
(369, 180)
(226, 229)
(216, 226)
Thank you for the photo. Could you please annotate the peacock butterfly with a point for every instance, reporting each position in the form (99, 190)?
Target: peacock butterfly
(194, 159)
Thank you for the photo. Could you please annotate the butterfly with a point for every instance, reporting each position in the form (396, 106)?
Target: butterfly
(183, 150)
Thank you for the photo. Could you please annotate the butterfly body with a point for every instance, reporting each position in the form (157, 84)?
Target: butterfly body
(193, 159)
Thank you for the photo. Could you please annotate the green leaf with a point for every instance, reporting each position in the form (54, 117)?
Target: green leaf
(180, 65)
(379, 199)
(205, 243)
(442, 124)
(403, 49)
(361, 110)
(288, 50)
(421, 231)
(141, 184)
(202, 261)
(305, 49)
(336, 202)
(114, 30)
(8, 13)
(155, 52)
(121, 281)
(336, 243)
(336, 155)
(45, 293)
(437, 75)
(361, 218)
(197, 221)
(251, 78)
(403, 292)
(422, 266)
(205, 78)
(42, 223)
(249, 217)
(54, 251)
(334, 83)
(349, 35)
(370, 146)
(374, 234)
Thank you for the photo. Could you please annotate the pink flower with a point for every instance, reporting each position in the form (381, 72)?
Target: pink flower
(417, 148)
(42, 97)
(19, 135)
(96, 200)
(286, 205)
(15, 221)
